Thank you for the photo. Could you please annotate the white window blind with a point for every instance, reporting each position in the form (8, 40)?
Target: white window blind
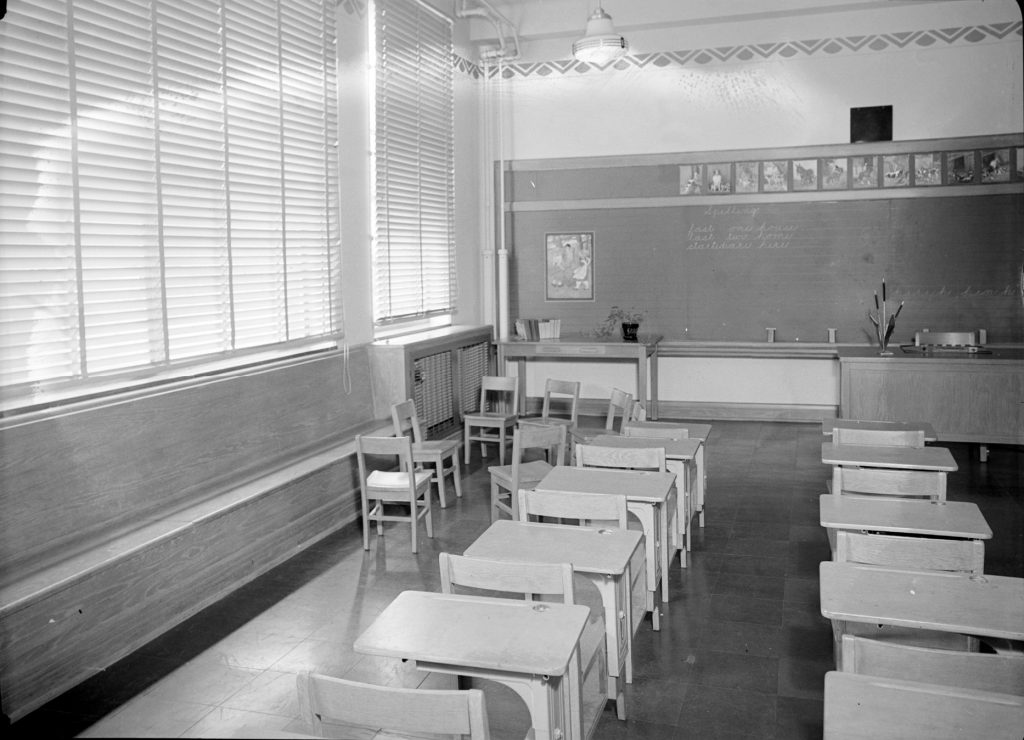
(413, 253)
(168, 183)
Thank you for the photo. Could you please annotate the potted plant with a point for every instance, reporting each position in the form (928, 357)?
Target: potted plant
(628, 320)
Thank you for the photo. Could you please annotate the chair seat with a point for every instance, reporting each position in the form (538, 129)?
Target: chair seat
(383, 479)
(530, 473)
(441, 447)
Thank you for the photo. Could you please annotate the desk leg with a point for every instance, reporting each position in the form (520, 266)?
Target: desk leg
(702, 481)
(614, 593)
(654, 384)
(650, 521)
(666, 546)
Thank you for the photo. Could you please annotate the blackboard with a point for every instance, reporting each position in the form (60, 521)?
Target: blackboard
(726, 272)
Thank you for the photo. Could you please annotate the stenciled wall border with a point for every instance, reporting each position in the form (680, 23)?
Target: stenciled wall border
(787, 50)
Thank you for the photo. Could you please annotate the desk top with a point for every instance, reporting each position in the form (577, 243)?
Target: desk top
(884, 514)
(675, 449)
(827, 425)
(987, 606)
(636, 485)
(477, 632)
(604, 551)
(885, 456)
(696, 431)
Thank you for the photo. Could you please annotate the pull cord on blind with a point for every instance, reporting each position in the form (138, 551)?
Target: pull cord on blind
(169, 183)
(414, 178)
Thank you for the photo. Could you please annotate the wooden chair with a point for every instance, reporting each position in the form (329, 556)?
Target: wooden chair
(441, 455)
(326, 702)
(979, 671)
(507, 479)
(910, 553)
(496, 417)
(620, 407)
(893, 437)
(531, 581)
(888, 482)
(406, 486)
(872, 708)
(560, 406)
(644, 458)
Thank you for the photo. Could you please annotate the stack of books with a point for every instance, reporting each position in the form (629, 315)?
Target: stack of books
(533, 330)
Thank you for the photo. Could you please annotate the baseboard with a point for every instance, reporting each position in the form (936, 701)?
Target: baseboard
(713, 410)
(746, 411)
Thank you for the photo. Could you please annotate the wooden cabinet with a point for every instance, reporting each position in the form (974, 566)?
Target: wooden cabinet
(439, 369)
(966, 398)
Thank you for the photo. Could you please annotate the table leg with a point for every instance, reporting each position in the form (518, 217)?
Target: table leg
(702, 481)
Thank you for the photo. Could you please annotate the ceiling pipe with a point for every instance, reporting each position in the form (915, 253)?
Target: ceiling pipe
(485, 10)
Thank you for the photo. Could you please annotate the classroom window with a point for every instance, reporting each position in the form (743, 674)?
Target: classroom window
(413, 163)
(169, 185)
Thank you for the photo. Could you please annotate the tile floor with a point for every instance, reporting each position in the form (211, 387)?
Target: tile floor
(741, 654)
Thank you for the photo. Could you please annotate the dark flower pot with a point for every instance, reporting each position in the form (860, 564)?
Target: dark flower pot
(629, 330)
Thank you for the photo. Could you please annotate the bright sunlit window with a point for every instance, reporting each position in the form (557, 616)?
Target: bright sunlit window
(413, 163)
(169, 185)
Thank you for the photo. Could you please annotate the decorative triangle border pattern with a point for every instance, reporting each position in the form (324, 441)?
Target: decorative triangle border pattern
(883, 42)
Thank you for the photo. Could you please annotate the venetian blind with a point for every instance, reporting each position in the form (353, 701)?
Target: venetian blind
(168, 183)
(413, 252)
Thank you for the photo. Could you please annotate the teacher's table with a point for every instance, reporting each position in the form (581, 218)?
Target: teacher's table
(649, 496)
(695, 431)
(680, 456)
(979, 605)
(938, 460)
(530, 647)
(643, 352)
(611, 559)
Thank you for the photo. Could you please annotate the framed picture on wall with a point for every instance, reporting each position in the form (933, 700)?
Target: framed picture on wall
(895, 170)
(928, 169)
(805, 174)
(691, 179)
(834, 173)
(569, 266)
(863, 172)
(746, 177)
(995, 165)
(720, 178)
(959, 168)
(774, 176)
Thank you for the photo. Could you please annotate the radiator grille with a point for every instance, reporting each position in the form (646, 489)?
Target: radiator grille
(447, 385)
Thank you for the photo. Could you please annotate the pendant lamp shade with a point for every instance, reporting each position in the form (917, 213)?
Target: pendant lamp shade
(600, 44)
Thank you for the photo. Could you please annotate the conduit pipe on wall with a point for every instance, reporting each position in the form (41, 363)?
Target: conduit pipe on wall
(494, 149)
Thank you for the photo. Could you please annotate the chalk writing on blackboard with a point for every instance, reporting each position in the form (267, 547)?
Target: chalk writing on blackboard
(754, 235)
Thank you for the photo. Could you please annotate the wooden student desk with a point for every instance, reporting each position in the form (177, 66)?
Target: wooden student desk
(695, 431)
(578, 347)
(952, 519)
(649, 496)
(938, 460)
(680, 455)
(530, 647)
(827, 425)
(611, 559)
(985, 606)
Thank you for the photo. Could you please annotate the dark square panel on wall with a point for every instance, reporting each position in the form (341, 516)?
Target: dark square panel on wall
(871, 124)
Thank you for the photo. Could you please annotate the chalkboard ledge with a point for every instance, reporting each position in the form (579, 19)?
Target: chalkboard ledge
(774, 350)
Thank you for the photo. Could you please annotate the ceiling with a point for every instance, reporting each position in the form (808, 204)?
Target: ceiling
(549, 19)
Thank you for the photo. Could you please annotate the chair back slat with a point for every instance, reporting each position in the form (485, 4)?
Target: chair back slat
(620, 406)
(628, 458)
(665, 431)
(325, 700)
(586, 508)
(966, 670)
(886, 437)
(522, 578)
(499, 394)
(911, 553)
(889, 482)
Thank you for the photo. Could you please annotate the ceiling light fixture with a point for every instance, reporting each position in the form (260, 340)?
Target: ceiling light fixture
(600, 44)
